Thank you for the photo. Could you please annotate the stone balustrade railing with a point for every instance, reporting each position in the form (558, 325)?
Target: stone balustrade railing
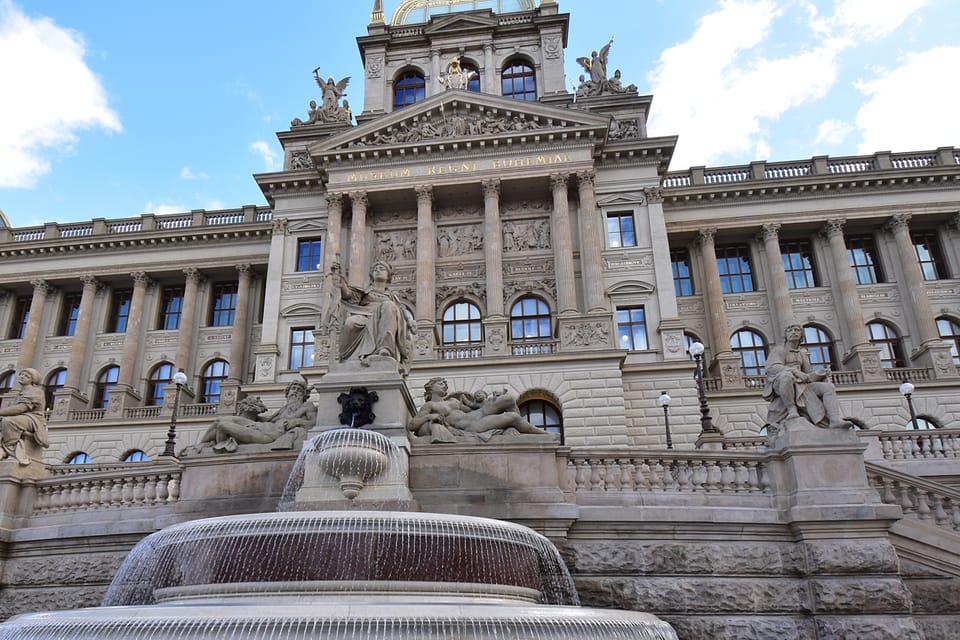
(667, 471)
(92, 487)
(459, 352)
(923, 444)
(927, 501)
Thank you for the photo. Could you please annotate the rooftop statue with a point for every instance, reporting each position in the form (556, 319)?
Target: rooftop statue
(25, 418)
(797, 391)
(596, 82)
(329, 109)
(456, 76)
(461, 416)
(250, 430)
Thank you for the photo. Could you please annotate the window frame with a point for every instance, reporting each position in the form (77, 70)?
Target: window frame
(211, 381)
(740, 280)
(411, 84)
(78, 457)
(120, 302)
(518, 70)
(823, 345)
(892, 355)
(7, 381)
(864, 260)
(136, 455)
(169, 318)
(312, 260)
(617, 238)
(106, 381)
(451, 320)
(952, 337)
(759, 351)
(799, 264)
(300, 353)
(21, 317)
(547, 407)
(930, 258)
(156, 384)
(223, 304)
(541, 319)
(683, 285)
(54, 382)
(627, 327)
(69, 313)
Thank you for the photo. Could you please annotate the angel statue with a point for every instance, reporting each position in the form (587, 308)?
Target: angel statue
(596, 67)
(331, 92)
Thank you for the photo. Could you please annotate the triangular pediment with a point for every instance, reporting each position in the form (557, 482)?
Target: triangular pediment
(460, 22)
(627, 198)
(464, 118)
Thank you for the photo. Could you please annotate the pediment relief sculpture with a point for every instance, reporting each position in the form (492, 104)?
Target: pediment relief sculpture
(455, 124)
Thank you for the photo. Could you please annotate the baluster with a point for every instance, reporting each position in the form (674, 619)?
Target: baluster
(84, 496)
(626, 475)
(116, 493)
(898, 453)
(753, 477)
(951, 448)
(96, 494)
(74, 501)
(656, 476)
(162, 492)
(596, 475)
(610, 475)
(955, 514)
(923, 505)
(173, 488)
(698, 476)
(939, 515)
(677, 475)
(150, 490)
(740, 476)
(138, 489)
(906, 501)
(724, 474)
(937, 447)
(640, 471)
(126, 492)
(888, 495)
(887, 448)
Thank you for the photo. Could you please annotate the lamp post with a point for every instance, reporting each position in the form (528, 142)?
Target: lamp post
(179, 379)
(706, 422)
(664, 401)
(907, 390)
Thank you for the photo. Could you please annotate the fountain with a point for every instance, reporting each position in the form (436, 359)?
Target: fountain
(348, 574)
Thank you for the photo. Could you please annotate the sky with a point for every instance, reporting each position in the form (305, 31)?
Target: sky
(112, 109)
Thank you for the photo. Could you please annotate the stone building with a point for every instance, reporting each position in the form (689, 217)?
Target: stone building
(541, 244)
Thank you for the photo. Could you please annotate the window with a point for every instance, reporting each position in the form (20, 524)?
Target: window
(752, 349)
(136, 456)
(688, 340)
(862, 255)
(224, 305)
(171, 306)
(308, 255)
(798, 263)
(632, 329)
(620, 231)
(922, 424)
(886, 337)
(474, 83)
(543, 414)
(461, 324)
(519, 82)
(119, 311)
(21, 315)
(950, 332)
(79, 458)
(682, 279)
(55, 382)
(736, 275)
(927, 246)
(301, 348)
(213, 376)
(530, 320)
(106, 381)
(820, 346)
(6, 382)
(408, 88)
(159, 378)
(69, 312)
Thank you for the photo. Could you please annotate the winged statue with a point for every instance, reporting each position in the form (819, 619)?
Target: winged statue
(596, 68)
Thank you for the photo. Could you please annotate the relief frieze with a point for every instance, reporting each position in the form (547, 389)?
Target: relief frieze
(396, 245)
(525, 206)
(526, 235)
(466, 211)
(459, 241)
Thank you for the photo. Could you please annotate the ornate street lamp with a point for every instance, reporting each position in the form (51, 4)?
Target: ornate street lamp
(664, 401)
(179, 379)
(706, 422)
(907, 390)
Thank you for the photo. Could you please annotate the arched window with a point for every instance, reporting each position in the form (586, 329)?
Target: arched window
(159, 378)
(473, 84)
(55, 382)
(136, 456)
(887, 339)
(213, 376)
(542, 413)
(922, 424)
(530, 322)
(950, 332)
(752, 349)
(820, 346)
(409, 87)
(519, 81)
(106, 381)
(79, 458)
(6, 382)
(688, 340)
(461, 324)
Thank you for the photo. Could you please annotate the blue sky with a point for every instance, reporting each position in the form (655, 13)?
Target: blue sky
(111, 109)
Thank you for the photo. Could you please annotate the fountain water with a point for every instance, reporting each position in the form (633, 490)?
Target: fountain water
(341, 575)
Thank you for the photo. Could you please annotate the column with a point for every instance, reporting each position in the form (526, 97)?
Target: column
(489, 84)
(358, 238)
(591, 266)
(331, 249)
(713, 290)
(238, 339)
(563, 246)
(493, 246)
(71, 398)
(131, 338)
(782, 302)
(28, 345)
(426, 247)
(433, 82)
(861, 355)
(188, 320)
(267, 352)
(930, 351)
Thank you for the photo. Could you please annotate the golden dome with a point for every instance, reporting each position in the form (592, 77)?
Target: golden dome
(417, 11)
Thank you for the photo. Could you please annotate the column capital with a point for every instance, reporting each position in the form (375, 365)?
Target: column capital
(770, 231)
(193, 275)
(899, 221)
(833, 227)
(335, 199)
(491, 187)
(244, 270)
(359, 198)
(586, 177)
(279, 226)
(89, 281)
(707, 235)
(654, 195)
(424, 193)
(955, 222)
(141, 279)
(558, 181)
(42, 286)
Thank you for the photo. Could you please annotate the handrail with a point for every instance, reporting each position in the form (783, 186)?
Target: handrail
(920, 499)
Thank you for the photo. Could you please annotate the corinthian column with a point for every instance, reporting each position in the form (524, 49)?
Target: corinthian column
(331, 250)
(131, 339)
(426, 269)
(70, 398)
(590, 244)
(188, 320)
(238, 339)
(782, 303)
(28, 345)
(358, 238)
(563, 245)
(717, 310)
(493, 246)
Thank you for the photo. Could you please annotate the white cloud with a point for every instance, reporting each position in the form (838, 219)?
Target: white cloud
(161, 209)
(912, 107)
(268, 155)
(868, 19)
(833, 132)
(214, 205)
(187, 174)
(57, 95)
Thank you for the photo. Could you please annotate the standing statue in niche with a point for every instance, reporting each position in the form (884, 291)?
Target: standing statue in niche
(796, 390)
(376, 323)
(25, 418)
(456, 76)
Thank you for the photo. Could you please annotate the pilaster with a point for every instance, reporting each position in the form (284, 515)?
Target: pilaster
(358, 238)
(267, 351)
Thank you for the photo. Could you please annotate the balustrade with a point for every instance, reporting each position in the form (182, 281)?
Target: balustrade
(919, 499)
(106, 487)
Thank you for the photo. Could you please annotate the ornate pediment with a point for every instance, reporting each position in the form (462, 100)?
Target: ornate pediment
(459, 22)
(631, 288)
(628, 198)
(302, 226)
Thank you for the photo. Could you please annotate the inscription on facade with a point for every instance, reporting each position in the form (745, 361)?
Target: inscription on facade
(452, 168)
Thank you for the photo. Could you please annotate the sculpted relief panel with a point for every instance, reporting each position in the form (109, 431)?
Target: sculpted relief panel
(396, 245)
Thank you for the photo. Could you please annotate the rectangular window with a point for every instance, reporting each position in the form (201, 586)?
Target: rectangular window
(798, 264)
(119, 311)
(224, 305)
(308, 255)
(171, 306)
(736, 274)
(927, 246)
(620, 230)
(69, 312)
(862, 255)
(21, 315)
(682, 279)
(632, 328)
(301, 348)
